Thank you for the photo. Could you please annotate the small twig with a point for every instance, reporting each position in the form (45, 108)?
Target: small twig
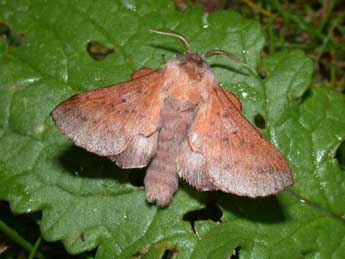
(257, 8)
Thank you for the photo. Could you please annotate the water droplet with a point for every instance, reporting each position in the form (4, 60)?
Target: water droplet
(27, 191)
(64, 72)
(204, 21)
(244, 94)
(130, 5)
(30, 80)
(340, 138)
(319, 156)
(39, 129)
(244, 51)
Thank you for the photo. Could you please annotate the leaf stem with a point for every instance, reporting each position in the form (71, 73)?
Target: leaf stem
(34, 249)
(15, 237)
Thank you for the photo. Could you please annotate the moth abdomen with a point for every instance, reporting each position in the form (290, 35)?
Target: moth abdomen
(161, 179)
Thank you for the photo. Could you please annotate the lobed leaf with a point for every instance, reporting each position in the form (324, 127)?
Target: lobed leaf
(88, 203)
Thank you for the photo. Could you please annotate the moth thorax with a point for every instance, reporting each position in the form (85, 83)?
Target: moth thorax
(193, 65)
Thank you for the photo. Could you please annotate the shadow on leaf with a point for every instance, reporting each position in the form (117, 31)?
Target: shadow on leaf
(265, 210)
(82, 163)
(262, 209)
(210, 212)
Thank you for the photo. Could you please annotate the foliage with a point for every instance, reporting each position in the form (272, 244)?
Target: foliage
(87, 203)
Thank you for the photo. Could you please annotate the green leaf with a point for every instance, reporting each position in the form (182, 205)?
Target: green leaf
(88, 203)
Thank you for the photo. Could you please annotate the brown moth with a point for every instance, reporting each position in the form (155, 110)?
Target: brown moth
(179, 122)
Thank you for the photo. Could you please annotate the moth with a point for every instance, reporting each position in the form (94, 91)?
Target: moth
(180, 123)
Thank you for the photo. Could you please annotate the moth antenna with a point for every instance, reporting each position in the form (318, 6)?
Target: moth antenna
(211, 53)
(176, 35)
